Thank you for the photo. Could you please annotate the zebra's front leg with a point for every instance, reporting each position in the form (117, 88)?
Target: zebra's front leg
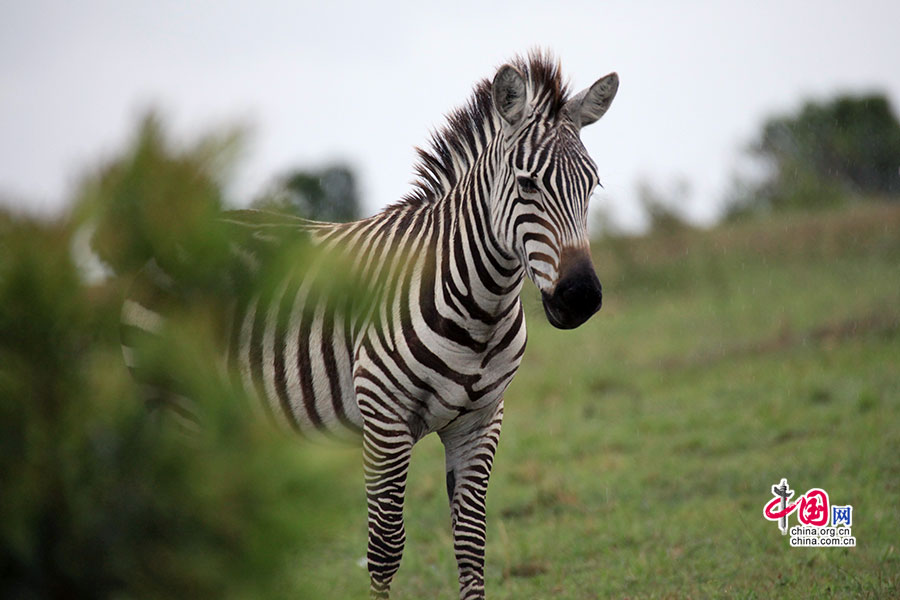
(470, 456)
(387, 449)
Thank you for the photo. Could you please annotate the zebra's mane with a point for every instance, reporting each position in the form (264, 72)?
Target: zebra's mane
(468, 129)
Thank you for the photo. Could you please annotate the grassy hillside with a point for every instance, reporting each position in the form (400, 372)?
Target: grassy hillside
(638, 451)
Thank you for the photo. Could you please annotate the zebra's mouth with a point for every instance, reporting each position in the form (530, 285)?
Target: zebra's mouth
(575, 297)
(577, 294)
(553, 314)
(563, 317)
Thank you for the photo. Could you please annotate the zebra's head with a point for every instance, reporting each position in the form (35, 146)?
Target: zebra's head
(541, 195)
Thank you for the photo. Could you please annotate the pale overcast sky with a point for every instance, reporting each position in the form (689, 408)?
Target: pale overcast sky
(365, 82)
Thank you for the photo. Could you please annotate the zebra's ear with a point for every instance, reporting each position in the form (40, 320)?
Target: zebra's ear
(510, 94)
(590, 104)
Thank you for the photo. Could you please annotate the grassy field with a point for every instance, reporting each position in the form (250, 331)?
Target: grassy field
(638, 451)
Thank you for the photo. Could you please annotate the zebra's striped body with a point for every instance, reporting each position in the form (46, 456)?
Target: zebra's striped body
(427, 350)
(437, 331)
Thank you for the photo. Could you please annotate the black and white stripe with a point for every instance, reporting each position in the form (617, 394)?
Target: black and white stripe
(435, 331)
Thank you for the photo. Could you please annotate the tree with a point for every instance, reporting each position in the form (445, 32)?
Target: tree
(328, 194)
(661, 204)
(827, 151)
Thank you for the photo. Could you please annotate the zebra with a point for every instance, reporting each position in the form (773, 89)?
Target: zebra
(502, 194)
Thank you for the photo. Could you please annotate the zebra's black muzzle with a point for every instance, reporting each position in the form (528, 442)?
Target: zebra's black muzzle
(577, 294)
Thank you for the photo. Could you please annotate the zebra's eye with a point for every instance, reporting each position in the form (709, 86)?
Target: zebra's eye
(527, 185)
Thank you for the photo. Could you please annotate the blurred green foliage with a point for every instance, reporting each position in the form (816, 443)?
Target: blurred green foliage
(97, 498)
(158, 201)
(848, 147)
(329, 194)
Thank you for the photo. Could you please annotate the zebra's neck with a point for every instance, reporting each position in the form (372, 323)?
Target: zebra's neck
(441, 237)
(479, 280)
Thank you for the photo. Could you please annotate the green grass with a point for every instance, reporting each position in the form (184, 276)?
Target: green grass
(638, 451)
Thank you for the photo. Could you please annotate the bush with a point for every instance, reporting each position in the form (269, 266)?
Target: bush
(98, 499)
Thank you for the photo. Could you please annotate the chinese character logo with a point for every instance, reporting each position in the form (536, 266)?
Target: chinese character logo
(814, 508)
(841, 515)
(813, 515)
(778, 509)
